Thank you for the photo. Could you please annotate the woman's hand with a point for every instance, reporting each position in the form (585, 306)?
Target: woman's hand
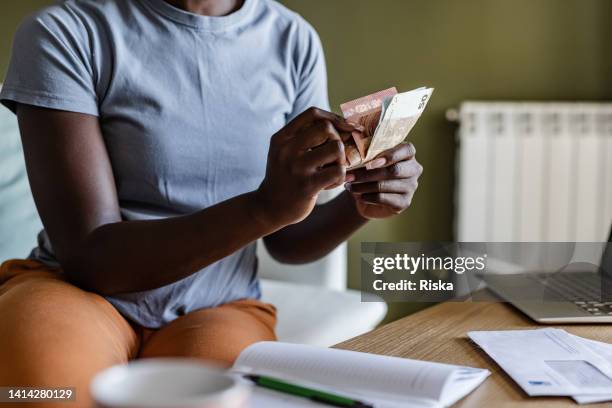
(386, 185)
(305, 157)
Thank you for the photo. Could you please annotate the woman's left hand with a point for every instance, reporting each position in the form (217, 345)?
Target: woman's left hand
(386, 185)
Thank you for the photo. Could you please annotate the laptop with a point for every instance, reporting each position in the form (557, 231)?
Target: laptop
(561, 297)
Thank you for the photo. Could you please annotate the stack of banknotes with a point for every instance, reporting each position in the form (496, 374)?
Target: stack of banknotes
(388, 117)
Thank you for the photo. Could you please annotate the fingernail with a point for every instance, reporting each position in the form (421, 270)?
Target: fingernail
(374, 164)
(347, 186)
(349, 178)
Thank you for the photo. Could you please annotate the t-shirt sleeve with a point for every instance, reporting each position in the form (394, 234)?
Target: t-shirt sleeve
(50, 64)
(310, 72)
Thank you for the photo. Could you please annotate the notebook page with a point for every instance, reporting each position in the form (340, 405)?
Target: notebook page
(368, 374)
(463, 381)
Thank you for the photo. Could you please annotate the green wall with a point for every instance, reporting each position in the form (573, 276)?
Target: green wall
(11, 13)
(466, 49)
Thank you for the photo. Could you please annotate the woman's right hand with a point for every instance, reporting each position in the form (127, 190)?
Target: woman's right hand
(305, 157)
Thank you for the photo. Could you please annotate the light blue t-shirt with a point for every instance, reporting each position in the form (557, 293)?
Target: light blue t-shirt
(187, 104)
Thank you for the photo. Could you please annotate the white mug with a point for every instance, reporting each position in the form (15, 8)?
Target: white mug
(168, 383)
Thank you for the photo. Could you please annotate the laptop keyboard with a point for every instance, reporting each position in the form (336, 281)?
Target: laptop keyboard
(595, 308)
(583, 289)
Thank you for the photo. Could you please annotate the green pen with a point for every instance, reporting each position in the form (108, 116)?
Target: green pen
(314, 395)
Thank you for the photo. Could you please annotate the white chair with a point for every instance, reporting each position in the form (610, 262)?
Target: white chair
(313, 304)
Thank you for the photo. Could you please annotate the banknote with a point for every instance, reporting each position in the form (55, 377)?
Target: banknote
(388, 117)
(365, 111)
(399, 116)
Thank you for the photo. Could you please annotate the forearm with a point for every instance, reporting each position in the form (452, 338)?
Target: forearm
(139, 255)
(324, 229)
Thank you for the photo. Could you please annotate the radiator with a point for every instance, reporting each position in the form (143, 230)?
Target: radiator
(534, 172)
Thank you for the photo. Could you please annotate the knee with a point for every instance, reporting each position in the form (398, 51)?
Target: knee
(39, 319)
(50, 313)
(56, 335)
(218, 334)
(32, 305)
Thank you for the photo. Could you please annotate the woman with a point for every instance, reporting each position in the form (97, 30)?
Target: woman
(152, 143)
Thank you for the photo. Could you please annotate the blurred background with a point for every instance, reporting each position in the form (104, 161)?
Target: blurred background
(511, 50)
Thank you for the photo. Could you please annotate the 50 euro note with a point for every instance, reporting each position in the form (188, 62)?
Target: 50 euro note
(388, 117)
(365, 111)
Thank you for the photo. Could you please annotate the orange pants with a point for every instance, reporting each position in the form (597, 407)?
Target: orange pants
(53, 334)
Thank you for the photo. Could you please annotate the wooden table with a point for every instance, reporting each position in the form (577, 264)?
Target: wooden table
(439, 334)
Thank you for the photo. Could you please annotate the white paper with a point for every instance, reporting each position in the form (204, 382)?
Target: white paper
(383, 380)
(547, 361)
(605, 351)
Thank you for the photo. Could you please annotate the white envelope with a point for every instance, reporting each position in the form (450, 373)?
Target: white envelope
(605, 351)
(548, 361)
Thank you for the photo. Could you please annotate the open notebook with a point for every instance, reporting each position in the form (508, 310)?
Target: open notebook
(380, 380)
